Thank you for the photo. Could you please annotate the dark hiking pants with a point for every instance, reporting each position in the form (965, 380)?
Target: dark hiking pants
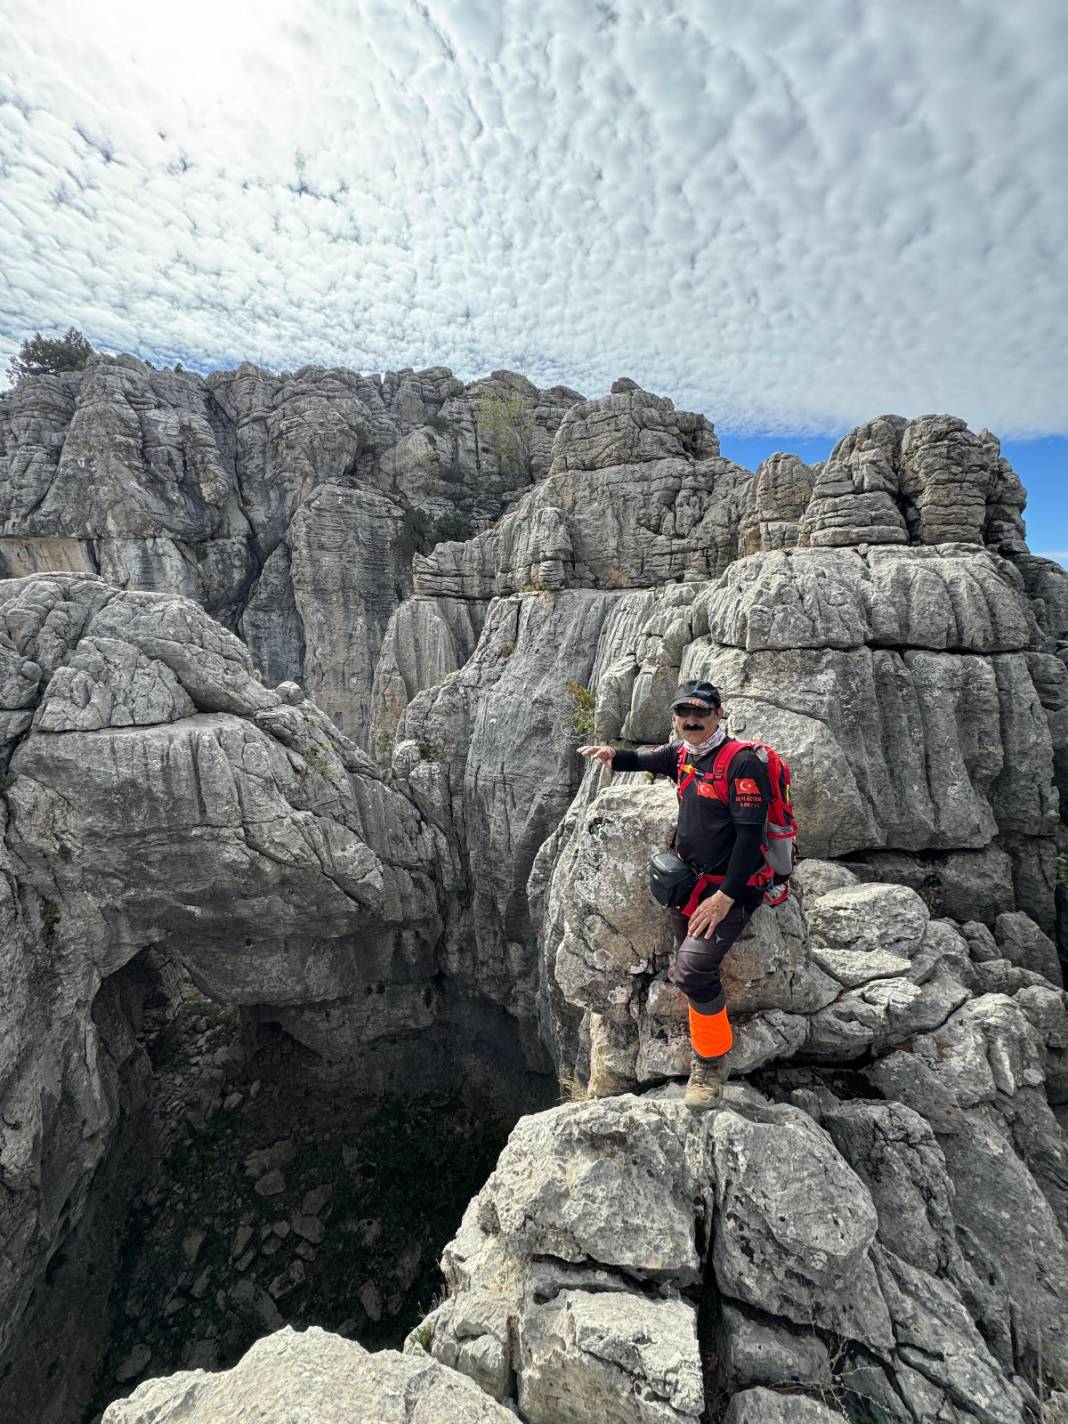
(698, 960)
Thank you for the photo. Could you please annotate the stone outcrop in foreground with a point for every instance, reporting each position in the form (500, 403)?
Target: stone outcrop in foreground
(292, 1377)
(894, 1234)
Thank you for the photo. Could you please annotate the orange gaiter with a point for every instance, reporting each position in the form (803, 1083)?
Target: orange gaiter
(710, 1034)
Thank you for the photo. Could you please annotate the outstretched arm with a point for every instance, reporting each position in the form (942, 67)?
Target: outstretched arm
(662, 761)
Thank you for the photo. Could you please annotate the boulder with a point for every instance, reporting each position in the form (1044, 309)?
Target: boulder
(312, 1375)
(610, 1356)
(793, 1226)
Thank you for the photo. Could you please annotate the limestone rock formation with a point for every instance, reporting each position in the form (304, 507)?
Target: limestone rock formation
(159, 796)
(568, 1275)
(575, 1293)
(875, 1221)
(637, 495)
(289, 1378)
(277, 502)
(928, 481)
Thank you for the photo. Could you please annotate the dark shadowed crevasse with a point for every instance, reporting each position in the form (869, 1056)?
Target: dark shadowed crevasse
(260, 1199)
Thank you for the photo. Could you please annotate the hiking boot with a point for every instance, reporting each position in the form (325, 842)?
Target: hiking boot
(705, 1088)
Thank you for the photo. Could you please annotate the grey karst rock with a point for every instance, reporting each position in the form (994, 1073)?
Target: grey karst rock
(108, 683)
(927, 481)
(964, 884)
(573, 1183)
(610, 1356)
(426, 640)
(274, 501)
(629, 427)
(270, 623)
(611, 932)
(766, 1406)
(836, 1255)
(856, 730)
(884, 919)
(1046, 584)
(936, 1336)
(754, 1351)
(813, 877)
(973, 1080)
(312, 1378)
(637, 495)
(592, 1209)
(489, 756)
(1021, 941)
(777, 499)
(141, 479)
(347, 579)
(1047, 1013)
(946, 598)
(159, 795)
(877, 618)
(793, 1226)
(1050, 676)
(470, 1333)
(896, 1154)
(606, 945)
(34, 427)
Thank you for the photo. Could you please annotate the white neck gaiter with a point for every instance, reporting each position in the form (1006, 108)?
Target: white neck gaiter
(699, 749)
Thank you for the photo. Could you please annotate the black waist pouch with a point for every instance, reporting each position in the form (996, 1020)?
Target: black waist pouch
(671, 880)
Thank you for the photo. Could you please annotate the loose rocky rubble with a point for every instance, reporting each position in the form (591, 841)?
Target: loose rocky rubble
(873, 1226)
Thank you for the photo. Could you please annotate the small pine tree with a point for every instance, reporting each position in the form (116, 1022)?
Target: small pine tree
(45, 355)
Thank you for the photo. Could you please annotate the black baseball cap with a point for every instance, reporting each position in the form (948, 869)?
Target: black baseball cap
(696, 692)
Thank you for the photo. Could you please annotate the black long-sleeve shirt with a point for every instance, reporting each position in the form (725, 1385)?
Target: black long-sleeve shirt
(711, 836)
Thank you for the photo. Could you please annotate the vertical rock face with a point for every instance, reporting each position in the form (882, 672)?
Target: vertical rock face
(778, 498)
(274, 501)
(489, 753)
(157, 794)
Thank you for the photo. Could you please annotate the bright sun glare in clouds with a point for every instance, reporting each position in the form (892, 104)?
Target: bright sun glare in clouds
(793, 218)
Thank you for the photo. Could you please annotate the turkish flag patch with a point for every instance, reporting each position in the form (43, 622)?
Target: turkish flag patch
(745, 786)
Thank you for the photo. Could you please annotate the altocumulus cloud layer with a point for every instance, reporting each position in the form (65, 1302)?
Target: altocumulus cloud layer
(788, 215)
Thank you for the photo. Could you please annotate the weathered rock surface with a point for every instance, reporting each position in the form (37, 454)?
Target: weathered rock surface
(833, 1265)
(159, 795)
(274, 501)
(928, 481)
(312, 1378)
(586, 1201)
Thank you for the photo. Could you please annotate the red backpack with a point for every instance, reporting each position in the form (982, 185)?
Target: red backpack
(780, 828)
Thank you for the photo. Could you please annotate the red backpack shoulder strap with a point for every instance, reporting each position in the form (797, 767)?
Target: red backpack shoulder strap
(726, 754)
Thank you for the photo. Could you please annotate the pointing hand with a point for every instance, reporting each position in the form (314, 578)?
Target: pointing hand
(603, 754)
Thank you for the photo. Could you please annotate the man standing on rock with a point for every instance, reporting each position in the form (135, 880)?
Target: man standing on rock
(720, 837)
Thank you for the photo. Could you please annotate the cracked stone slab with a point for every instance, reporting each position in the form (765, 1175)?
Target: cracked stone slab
(610, 1356)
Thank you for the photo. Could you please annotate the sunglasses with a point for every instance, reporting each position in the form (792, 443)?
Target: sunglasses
(701, 713)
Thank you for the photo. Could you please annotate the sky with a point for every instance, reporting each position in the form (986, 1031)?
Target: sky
(792, 217)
